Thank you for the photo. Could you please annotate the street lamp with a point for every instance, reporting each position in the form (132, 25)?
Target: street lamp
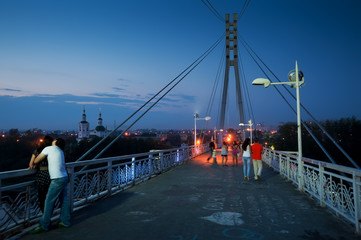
(250, 123)
(294, 82)
(196, 117)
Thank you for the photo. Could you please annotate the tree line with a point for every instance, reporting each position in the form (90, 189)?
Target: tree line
(345, 131)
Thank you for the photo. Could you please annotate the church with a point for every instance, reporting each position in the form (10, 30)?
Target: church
(85, 133)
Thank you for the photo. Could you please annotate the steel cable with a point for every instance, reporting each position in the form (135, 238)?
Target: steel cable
(213, 10)
(283, 97)
(204, 55)
(146, 103)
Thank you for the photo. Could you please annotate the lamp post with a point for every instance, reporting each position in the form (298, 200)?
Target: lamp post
(250, 124)
(294, 82)
(196, 117)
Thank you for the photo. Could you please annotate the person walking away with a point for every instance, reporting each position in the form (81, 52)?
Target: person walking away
(224, 154)
(235, 154)
(211, 148)
(246, 155)
(257, 151)
(58, 187)
(42, 177)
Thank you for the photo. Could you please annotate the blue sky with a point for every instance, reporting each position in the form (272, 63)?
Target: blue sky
(58, 56)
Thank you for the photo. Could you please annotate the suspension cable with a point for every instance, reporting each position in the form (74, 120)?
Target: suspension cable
(308, 113)
(215, 84)
(186, 74)
(214, 90)
(247, 97)
(126, 120)
(289, 105)
(245, 5)
(213, 10)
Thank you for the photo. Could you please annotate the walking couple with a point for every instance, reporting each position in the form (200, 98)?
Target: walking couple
(255, 152)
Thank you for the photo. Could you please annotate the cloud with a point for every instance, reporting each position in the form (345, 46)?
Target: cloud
(10, 90)
(118, 89)
(107, 95)
(180, 98)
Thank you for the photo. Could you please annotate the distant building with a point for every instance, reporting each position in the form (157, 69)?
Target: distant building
(100, 130)
(85, 133)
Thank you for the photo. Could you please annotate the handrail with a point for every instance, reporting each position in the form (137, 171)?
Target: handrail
(106, 176)
(335, 186)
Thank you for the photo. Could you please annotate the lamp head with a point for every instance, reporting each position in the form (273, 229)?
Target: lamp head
(292, 77)
(207, 118)
(261, 81)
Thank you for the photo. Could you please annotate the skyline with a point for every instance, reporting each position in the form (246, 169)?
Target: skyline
(57, 57)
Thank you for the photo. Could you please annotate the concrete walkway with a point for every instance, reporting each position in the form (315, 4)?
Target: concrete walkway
(199, 201)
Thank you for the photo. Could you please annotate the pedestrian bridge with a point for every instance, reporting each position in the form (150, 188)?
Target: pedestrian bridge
(183, 196)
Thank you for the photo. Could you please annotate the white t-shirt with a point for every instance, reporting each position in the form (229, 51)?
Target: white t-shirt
(56, 162)
(246, 153)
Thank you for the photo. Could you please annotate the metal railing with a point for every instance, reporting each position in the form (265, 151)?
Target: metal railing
(335, 186)
(19, 206)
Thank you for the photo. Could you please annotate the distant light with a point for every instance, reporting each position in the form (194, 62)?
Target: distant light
(41, 140)
(198, 142)
(17, 140)
(3, 136)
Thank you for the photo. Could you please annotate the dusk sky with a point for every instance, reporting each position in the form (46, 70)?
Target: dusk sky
(58, 56)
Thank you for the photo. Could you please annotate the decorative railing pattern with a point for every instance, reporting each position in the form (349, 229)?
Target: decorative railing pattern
(89, 181)
(337, 187)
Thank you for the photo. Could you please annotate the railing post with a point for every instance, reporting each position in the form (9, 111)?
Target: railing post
(27, 206)
(133, 169)
(288, 168)
(150, 160)
(280, 163)
(177, 160)
(273, 161)
(71, 188)
(109, 179)
(161, 165)
(357, 202)
(322, 186)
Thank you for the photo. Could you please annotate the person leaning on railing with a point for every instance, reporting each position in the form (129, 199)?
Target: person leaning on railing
(58, 186)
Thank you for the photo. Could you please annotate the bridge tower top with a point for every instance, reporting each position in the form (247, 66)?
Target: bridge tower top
(231, 60)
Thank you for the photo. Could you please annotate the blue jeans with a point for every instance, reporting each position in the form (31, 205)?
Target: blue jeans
(58, 188)
(246, 166)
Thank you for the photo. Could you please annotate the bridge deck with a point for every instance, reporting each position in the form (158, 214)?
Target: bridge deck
(199, 201)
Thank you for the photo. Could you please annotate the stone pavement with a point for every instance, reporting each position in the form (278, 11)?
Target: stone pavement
(200, 201)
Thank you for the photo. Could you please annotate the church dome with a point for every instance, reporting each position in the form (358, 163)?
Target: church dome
(100, 129)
